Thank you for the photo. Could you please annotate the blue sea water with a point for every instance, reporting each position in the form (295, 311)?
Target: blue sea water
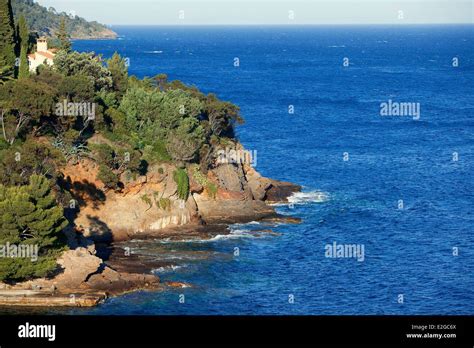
(407, 251)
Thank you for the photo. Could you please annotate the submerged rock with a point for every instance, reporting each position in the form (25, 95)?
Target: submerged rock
(178, 285)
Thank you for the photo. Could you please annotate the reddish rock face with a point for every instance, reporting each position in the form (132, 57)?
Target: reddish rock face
(232, 210)
(269, 190)
(279, 191)
(133, 212)
(230, 195)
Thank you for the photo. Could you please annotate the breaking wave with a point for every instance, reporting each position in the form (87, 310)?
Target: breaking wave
(166, 269)
(308, 197)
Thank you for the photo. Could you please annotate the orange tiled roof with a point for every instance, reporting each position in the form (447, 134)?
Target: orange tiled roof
(48, 55)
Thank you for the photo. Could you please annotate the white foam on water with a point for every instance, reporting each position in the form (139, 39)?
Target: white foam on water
(234, 234)
(166, 269)
(308, 197)
(239, 225)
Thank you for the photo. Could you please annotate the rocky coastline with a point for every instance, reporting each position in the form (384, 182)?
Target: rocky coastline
(93, 269)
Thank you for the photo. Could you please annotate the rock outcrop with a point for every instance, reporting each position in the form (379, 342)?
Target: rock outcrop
(146, 206)
(269, 190)
(149, 204)
(78, 265)
(84, 280)
(138, 209)
(232, 210)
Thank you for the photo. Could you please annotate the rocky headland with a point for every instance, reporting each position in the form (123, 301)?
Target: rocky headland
(87, 272)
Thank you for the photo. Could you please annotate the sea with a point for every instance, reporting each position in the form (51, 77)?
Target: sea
(375, 122)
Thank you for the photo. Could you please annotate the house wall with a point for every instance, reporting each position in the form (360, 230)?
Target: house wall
(35, 63)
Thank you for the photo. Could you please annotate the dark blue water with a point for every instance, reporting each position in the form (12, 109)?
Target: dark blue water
(408, 251)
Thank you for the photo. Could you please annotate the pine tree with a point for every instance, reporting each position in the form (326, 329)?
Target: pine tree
(118, 67)
(24, 35)
(7, 42)
(8, 226)
(63, 36)
(48, 217)
(29, 215)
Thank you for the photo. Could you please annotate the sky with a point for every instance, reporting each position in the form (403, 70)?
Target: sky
(267, 12)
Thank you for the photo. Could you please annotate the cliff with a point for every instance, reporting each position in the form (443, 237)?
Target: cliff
(46, 21)
(134, 211)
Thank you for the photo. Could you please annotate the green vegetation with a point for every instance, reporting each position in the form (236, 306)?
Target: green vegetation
(84, 65)
(108, 177)
(147, 200)
(136, 124)
(164, 203)
(63, 36)
(118, 68)
(30, 216)
(212, 189)
(202, 180)
(160, 202)
(182, 180)
(24, 37)
(7, 42)
(24, 159)
(47, 21)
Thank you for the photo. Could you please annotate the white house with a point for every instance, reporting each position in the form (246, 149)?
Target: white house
(42, 55)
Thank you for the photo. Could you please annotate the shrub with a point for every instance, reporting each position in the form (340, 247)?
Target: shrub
(165, 203)
(108, 177)
(202, 180)
(145, 198)
(185, 141)
(18, 163)
(156, 153)
(84, 64)
(212, 189)
(104, 154)
(182, 180)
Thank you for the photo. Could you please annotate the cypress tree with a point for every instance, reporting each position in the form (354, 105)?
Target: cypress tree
(24, 35)
(7, 42)
(63, 36)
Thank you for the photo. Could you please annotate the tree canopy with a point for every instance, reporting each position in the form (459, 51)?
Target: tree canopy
(139, 123)
(7, 42)
(29, 215)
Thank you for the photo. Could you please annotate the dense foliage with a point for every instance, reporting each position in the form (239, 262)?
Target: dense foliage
(182, 180)
(87, 107)
(29, 215)
(7, 42)
(24, 43)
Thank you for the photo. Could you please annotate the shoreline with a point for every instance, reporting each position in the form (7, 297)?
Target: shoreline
(94, 271)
